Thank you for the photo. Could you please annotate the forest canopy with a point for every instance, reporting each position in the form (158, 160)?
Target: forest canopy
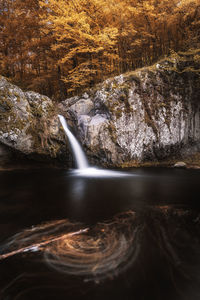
(61, 47)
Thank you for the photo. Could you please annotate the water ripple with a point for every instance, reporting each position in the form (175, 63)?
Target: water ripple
(96, 253)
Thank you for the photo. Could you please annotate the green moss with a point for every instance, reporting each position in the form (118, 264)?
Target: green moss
(123, 97)
(192, 161)
(112, 132)
(150, 122)
(183, 62)
(197, 59)
(37, 111)
(190, 52)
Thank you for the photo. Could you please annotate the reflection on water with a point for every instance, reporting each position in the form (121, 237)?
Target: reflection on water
(135, 237)
(79, 185)
(77, 191)
(96, 253)
(158, 248)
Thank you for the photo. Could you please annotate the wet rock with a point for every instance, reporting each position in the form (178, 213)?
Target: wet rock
(180, 164)
(194, 167)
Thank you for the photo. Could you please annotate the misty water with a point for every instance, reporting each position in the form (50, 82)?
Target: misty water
(71, 236)
(90, 233)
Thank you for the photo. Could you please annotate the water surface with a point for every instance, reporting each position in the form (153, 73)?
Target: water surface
(142, 240)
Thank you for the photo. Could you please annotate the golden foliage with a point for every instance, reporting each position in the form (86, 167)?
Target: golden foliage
(60, 47)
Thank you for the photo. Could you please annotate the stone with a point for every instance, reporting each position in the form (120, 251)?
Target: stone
(180, 164)
(146, 115)
(4, 155)
(82, 107)
(29, 122)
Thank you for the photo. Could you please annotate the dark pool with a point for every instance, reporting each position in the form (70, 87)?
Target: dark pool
(153, 212)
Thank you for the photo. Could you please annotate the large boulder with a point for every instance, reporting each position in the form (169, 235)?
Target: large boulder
(29, 122)
(180, 164)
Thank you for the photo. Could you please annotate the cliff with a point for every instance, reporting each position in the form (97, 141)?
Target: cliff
(148, 115)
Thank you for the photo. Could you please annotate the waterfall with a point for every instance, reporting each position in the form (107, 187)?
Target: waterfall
(83, 168)
(79, 155)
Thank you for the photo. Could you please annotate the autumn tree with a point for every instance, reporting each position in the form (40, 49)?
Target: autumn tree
(18, 33)
(85, 41)
(60, 47)
(24, 47)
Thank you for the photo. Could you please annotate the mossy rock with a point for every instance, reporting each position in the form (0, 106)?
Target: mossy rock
(28, 121)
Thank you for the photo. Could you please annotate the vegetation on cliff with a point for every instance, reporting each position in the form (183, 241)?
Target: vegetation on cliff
(150, 114)
(59, 47)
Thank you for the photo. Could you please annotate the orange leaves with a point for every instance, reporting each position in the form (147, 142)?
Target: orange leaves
(73, 44)
(83, 39)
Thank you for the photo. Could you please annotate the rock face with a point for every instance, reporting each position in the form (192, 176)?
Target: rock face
(147, 115)
(28, 122)
(4, 155)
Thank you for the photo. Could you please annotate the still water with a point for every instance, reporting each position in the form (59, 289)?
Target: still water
(68, 236)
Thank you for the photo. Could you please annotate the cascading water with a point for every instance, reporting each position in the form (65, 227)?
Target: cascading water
(79, 155)
(81, 160)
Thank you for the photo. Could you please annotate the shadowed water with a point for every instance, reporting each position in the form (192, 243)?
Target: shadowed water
(67, 235)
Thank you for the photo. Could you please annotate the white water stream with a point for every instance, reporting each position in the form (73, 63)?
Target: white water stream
(79, 155)
(83, 168)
